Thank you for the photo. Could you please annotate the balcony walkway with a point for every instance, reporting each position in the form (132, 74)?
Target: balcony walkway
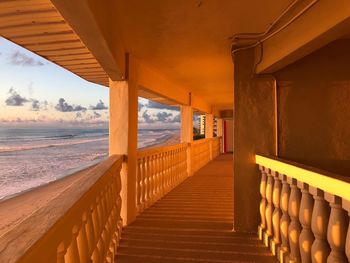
(192, 224)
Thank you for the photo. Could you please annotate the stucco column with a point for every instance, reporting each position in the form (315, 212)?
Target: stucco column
(123, 97)
(253, 133)
(209, 131)
(186, 124)
(187, 133)
(209, 125)
(219, 132)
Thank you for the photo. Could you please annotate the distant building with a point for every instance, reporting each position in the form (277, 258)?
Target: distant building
(215, 127)
(201, 125)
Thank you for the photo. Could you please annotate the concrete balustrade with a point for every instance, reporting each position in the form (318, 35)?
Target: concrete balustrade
(203, 151)
(81, 224)
(310, 220)
(158, 171)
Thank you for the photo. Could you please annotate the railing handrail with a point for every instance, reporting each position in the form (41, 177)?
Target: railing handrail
(156, 150)
(205, 140)
(40, 228)
(323, 180)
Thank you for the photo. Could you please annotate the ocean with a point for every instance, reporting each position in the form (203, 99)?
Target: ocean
(30, 157)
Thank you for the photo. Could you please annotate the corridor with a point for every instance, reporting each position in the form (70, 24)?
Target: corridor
(193, 223)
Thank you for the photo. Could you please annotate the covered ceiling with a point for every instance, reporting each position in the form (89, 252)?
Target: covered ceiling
(39, 27)
(189, 40)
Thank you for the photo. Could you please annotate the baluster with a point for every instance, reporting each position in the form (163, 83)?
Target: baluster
(97, 227)
(108, 197)
(337, 226)
(156, 173)
(276, 217)
(155, 176)
(61, 252)
(138, 184)
(101, 212)
(346, 206)
(177, 166)
(181, 164)
(148, 180)
(166, 167)
(263, 201)
(97, 255)
(90, 232)
(285, 220)
(158, 176)
(72, 254)
(104, 205)
(143, 183)
(269, 207)
(83, 240)
(319, 222)
(184, 163)
(294, 226)
(162, 174)
(172, 169)
(306, 237)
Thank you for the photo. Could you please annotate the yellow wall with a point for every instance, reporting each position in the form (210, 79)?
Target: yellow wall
(314, 109)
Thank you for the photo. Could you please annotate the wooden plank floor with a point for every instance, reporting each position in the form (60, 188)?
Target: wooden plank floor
(193, 223)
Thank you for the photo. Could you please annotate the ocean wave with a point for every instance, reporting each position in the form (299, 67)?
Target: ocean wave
(4, 149)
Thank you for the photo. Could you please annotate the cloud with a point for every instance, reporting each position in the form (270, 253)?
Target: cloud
(140, 106)
(63, 106)
(163, 116)
(15, 99)
(147, 118)
(35, 105)
(96, 115)
(156, 105)
(38, 105)
(21, 59)
(177, 118)
(99, 106)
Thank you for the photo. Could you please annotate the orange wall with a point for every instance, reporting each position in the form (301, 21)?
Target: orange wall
(314, 109)
(253, 132)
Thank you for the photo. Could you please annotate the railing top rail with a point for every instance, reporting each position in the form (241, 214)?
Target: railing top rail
(328, 182)
(205, 140)
(160, 149)
(41, 222)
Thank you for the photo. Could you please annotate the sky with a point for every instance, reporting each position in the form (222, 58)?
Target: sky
(34, 91)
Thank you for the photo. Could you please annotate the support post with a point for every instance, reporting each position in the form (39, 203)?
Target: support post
(209, 124)
(219, 133)
(123, 138)
(253, 133)
(187, 133)
(209, 130)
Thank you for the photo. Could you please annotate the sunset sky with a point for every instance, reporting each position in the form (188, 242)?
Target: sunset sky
(34, 91)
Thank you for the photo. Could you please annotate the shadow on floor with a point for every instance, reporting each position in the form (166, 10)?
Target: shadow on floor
(192, 223)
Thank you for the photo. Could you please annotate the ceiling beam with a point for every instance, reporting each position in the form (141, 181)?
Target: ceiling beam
(93, 22)
(323, 23)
